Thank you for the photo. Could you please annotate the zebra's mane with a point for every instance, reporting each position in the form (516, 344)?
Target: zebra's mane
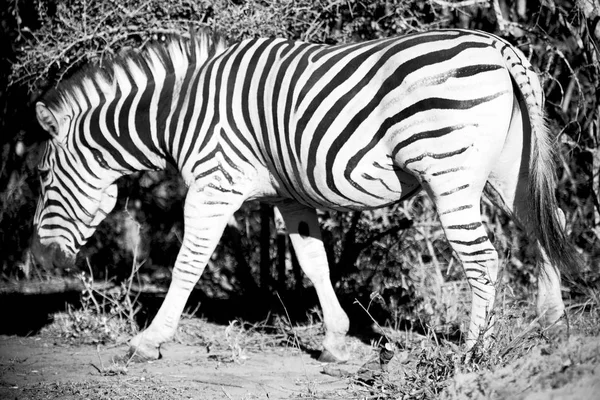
(176, 52)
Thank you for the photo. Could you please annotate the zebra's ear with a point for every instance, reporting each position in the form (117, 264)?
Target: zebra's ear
(46, 119)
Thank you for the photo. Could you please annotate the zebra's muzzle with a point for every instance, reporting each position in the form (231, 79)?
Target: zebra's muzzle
(50, 256)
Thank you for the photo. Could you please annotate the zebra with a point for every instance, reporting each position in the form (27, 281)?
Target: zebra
(457, 113)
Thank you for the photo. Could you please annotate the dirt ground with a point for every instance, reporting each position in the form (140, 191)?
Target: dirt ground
(221, 366)
(225, 363)
(33, 368)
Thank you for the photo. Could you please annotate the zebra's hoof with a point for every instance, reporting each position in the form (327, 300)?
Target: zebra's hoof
(328, 357)
(559, 330)
(143, 353)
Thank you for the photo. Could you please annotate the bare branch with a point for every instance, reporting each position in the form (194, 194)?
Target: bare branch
(499, 18)
(463, 3)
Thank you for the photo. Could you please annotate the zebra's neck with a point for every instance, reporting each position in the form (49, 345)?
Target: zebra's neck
(121, 125)
(138, 111)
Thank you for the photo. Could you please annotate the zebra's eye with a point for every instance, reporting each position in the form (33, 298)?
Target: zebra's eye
(43, 174)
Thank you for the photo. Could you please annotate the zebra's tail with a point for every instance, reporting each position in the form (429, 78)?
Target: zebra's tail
(543, 211)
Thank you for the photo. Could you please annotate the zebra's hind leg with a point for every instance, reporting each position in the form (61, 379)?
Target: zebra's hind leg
(305, 235)
(208, 207)
(507, 193)
(459, 213)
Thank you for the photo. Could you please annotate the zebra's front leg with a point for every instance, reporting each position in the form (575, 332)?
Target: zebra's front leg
(208, 207)
(305, 235)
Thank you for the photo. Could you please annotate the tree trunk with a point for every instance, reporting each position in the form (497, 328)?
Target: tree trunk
(265, 244)
(281, 249)
(243, 272)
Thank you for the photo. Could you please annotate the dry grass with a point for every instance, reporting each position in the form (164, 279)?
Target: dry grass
(115, 367)
(521, 363)
(105, 315)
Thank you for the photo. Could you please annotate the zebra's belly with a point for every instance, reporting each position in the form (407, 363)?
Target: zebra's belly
(362, 188)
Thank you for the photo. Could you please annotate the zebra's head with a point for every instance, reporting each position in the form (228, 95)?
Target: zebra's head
(77, 191)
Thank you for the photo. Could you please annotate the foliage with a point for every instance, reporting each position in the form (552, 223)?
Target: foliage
(416, 280)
